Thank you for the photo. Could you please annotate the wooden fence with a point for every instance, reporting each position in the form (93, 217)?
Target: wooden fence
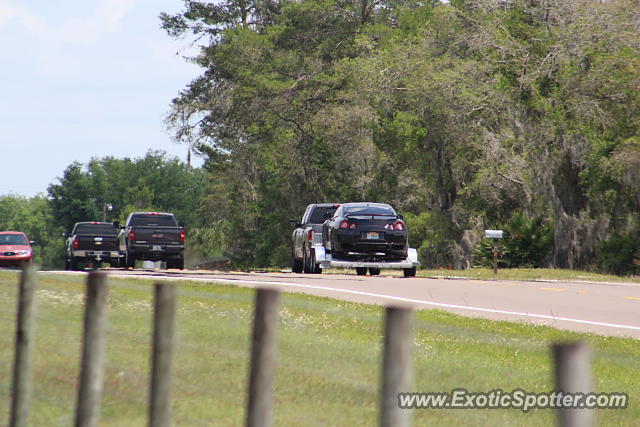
(572, 361)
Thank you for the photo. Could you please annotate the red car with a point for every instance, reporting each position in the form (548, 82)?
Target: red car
(15, 248)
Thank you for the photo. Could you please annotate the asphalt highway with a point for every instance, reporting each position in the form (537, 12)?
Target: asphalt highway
(602, 308)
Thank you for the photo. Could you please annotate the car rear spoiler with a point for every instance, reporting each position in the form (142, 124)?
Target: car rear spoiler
(392, 216)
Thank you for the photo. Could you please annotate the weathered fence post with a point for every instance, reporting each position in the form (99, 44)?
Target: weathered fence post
(397, 366)
(573, 374)
(24, 345)
(162, 353)
(263, 358)
(92, 367)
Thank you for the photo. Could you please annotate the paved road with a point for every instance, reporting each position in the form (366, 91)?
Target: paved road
(603, 308)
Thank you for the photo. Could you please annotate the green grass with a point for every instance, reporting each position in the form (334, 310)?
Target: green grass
(328, 361)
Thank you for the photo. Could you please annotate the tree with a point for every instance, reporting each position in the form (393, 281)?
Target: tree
(33, 216)
(153, 182)
(468, 112)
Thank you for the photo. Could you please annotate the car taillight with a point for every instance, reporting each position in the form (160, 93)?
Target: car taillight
(132, 235)
(348, 224)
(389, 227)
(76, 244)
(310, 235)
(399, 226)
(182, 235)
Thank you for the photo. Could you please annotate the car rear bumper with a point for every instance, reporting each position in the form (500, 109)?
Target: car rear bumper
(392, 244)
(14, 260)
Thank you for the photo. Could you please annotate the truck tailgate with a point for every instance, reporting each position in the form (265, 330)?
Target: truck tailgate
(157, 235)
(97, 243)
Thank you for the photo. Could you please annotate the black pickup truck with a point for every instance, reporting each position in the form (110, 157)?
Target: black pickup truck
(302, 239)
(153, 236)
(92, 242)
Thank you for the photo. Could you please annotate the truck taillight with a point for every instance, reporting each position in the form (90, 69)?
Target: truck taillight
(310, 235)
(76, 244)
(132, 235)
(182, 236)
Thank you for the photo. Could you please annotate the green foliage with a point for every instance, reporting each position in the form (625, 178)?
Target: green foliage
(459, 114)
(153, 182)
(430, 233)
(620, 254)
(33, 217)
(527, 242)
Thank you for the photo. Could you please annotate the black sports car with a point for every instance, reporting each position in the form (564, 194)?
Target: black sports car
(371, 230)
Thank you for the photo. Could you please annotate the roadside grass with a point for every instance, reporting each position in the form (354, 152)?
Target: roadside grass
(329, 354)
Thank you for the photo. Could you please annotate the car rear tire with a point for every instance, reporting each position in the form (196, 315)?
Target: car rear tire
(409, 272)
(374, 271)
(361, 271)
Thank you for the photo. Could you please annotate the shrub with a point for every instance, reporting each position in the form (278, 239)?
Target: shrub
(526, 243)
(619, 254)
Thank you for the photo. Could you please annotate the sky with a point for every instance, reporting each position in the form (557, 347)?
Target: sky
(82, 79)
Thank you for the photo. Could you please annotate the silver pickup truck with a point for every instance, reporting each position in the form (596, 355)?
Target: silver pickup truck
(306, 233)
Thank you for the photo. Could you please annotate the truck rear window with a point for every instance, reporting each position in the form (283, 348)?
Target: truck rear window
(95, 229)
(318, 215)
(151, 220)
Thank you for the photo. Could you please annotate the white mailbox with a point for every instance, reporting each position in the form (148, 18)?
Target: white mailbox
(493, 234)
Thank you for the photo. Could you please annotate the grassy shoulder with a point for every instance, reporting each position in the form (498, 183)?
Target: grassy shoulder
(328, 362)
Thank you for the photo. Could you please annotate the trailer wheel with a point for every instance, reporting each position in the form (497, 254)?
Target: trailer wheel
(361, 271)
(409, 272)
(374, 271)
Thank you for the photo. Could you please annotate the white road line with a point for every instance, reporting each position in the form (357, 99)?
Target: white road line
(389, 297)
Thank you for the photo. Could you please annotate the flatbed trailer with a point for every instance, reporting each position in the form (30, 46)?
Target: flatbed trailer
(364, 262)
